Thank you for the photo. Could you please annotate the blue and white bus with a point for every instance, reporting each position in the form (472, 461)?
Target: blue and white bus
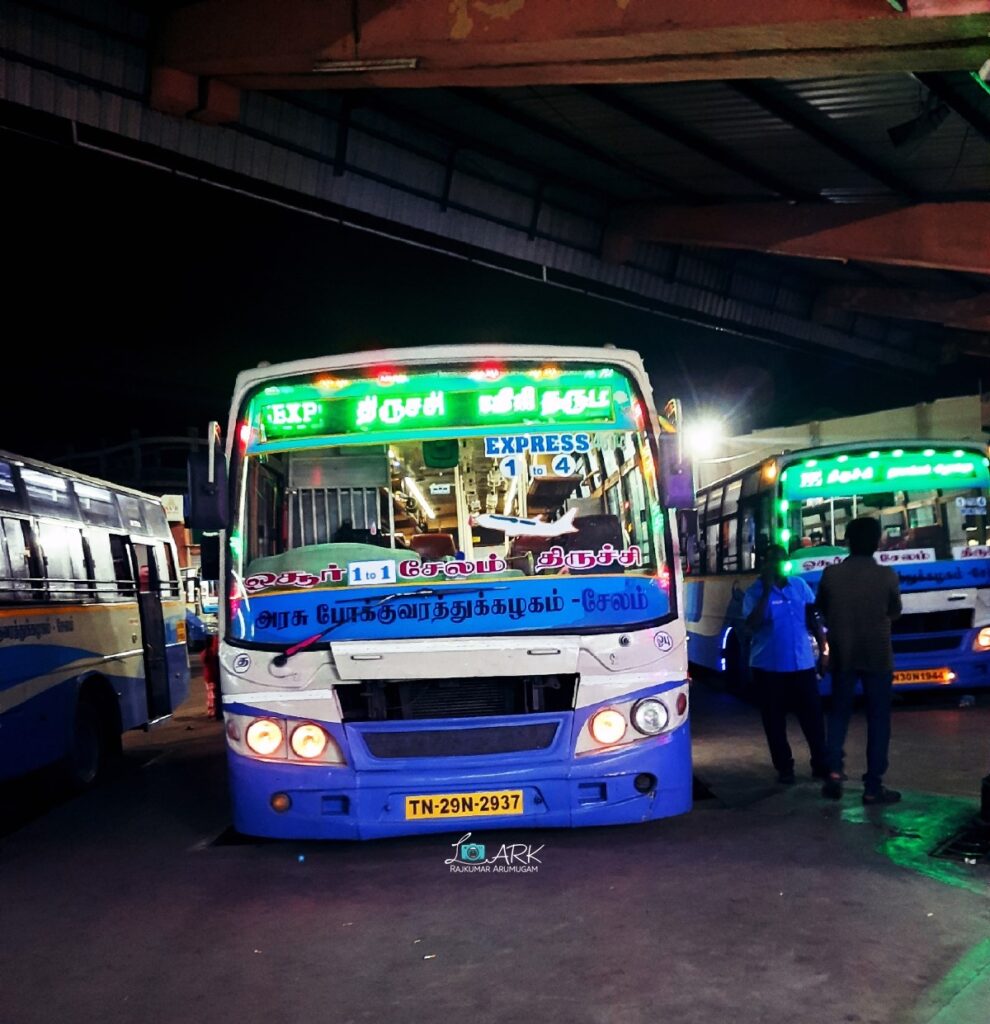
(931, 500)
(92, 619)
(450, 595)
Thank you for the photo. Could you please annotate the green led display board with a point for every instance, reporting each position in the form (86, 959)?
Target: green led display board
(435, 401)
(877, 472)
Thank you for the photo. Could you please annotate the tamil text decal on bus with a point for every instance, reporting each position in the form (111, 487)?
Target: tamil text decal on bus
(931, 501)
(450, 594)
(92, 619)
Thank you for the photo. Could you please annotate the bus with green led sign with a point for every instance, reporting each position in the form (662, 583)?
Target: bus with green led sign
(930, 498)
(451, 594)
(436, 402)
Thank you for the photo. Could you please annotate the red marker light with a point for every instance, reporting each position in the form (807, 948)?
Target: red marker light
(487, 371)
(387, 377)
(663, 577)
(244, 434)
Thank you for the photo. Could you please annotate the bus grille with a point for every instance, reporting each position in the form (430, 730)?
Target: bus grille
(502, 739)
(382, 700)
(933, 622)
(920, 644)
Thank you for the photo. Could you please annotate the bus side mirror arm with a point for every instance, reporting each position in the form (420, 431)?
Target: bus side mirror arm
(206, 499)
(676, 473)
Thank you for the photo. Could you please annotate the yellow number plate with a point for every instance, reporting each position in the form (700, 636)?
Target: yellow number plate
(924, 675)
(464, 805)
(180, 631)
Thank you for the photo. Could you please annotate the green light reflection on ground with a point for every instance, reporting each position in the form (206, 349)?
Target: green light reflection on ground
(912, 829)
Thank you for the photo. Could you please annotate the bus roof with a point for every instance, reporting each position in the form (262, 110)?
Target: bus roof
(786, 457)
(71, 474)
(433, 355)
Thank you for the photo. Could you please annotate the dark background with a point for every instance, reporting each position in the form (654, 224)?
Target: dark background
(133, 297)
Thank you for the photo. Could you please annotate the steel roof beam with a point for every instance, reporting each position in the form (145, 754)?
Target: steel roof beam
(546, 130)
(707, 147)
(968, 110)
(298, 44)
(946, 236)
(792, 110)
(968, 314)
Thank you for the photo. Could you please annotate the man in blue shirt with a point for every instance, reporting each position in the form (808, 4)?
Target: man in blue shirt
(779, 612)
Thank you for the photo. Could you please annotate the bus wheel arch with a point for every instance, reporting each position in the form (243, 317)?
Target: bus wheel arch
(94, 748)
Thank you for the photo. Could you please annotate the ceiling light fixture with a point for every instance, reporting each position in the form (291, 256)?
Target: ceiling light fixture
(413, 489)
(345, 67)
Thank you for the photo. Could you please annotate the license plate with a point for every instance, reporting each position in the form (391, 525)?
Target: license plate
(924, 675)
(464, 805)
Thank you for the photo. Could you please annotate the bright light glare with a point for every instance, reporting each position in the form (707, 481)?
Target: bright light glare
(608, 726)
(309, 740)
(703, 437)
(264, 737)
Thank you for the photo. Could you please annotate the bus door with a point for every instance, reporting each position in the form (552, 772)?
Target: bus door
(153, 632)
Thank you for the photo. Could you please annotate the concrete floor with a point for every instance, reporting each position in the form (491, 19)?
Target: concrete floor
(763, 905)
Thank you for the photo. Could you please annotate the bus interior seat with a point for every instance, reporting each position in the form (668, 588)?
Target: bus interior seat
(315, 558)
(924, 537)
(594, 532)
(524, 549)
(433, 547)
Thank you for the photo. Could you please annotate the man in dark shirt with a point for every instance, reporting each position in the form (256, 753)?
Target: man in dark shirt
(858, 600)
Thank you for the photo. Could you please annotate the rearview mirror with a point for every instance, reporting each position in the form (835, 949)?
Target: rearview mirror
(206, 500)
(676, 474)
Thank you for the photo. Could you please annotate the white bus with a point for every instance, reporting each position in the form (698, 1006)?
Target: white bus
(450, 595)
(930, 498)
(92, 619)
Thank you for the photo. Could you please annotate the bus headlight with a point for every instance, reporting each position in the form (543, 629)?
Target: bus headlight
(982, 640)
(608, 726)
(308, 741)
(650, 716)
(264, 736)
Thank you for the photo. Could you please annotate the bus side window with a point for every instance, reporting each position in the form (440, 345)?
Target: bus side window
(15, 567)
(688, 535)
(730, 527)
(713, 512)
(65, 563)
(148, 579)
(747, 539)
(122, 571)
(166, 570)
(103, 567)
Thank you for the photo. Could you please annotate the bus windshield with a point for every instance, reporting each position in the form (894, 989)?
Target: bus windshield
(931, 505)
(472, 500)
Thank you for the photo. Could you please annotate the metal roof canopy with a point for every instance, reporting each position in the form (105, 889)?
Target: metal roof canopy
(604, 147)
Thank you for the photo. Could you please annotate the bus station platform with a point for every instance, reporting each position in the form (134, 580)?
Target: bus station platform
(764, 905)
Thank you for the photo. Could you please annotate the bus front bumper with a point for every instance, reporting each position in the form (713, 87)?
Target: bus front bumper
(335, 802)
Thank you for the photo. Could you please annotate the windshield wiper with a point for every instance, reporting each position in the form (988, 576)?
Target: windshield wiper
(280, 659)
